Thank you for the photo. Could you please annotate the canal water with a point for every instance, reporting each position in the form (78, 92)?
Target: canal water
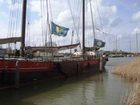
(101, 89)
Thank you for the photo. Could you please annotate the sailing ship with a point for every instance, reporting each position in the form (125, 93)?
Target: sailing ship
(21, 70)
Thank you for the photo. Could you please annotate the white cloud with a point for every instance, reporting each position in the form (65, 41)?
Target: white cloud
(35, 6)
(3, 29)
(65, 19)
(109, 11)
(115, 22)
(64, 16)
(136, 30)
(103, 14)
(3, 14)
(105, 11)
(135, 4)
(136, 16)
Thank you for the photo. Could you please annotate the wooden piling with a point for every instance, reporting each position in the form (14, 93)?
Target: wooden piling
(101, 64)
(17, 75)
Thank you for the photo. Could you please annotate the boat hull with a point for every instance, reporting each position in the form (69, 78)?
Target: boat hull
(71, 68)
(26, 71)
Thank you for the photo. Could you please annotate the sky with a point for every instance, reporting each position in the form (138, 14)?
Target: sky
(116, 21)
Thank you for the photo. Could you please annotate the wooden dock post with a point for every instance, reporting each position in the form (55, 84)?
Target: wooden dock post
(101, 64)
(17, 75)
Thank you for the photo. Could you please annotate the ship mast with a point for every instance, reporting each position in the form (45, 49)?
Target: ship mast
(23, 28)
(83, 30)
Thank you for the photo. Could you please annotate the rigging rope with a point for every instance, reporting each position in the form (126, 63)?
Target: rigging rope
(42, 25)
(74, 22)
(48, 21)
(28, 24)
(93, 24)
(50, 4)
(10, 24)
(45, 21)
(48, 26)
(17, 17)
(100, 19)
(13, 19)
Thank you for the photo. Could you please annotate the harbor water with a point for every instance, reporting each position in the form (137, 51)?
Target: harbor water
(99, 89)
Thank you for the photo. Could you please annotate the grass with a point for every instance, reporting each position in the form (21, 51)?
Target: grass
(131, 71)
(134, 96)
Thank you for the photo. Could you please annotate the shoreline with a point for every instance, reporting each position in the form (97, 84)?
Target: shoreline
(131, 71)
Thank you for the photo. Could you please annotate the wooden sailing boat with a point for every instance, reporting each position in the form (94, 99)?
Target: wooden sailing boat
(14, 71)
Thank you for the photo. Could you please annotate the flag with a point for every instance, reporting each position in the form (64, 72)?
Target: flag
(58, 30)
(99, 43)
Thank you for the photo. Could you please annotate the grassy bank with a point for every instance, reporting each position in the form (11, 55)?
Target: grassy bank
(134, 97)
(131, 71)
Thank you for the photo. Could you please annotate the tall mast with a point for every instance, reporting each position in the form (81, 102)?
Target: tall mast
(23, 28)
(83, 30)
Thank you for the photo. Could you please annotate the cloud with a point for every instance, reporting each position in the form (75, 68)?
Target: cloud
(64, 16)
(3, 29)
(109, 11)
(35, 6)
(107, 17)
(115, 22)
(106, 11)
(136, 30)
(135, 4)
(2, 14)
(136, 16)
(103, 14)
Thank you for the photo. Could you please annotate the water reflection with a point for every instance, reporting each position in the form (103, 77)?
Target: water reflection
(102, 89)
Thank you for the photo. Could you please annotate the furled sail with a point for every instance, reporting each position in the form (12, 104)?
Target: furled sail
(52, 49)
(10, 40)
